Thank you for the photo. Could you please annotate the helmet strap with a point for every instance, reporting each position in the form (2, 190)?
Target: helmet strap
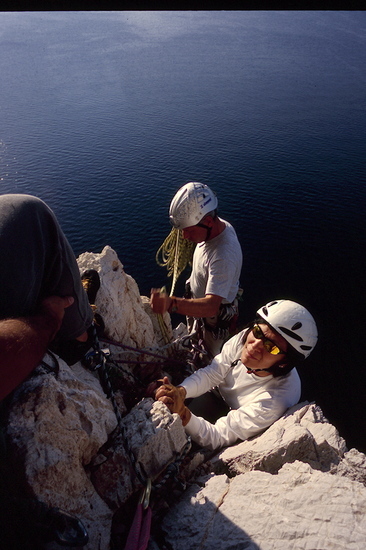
(208, 229)
(250, 371)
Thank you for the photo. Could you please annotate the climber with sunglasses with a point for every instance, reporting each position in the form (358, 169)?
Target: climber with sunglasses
(251, 383)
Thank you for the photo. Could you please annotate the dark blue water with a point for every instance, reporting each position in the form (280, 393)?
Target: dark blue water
(105, 115)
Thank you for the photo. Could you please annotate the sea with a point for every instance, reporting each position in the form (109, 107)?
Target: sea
(104, 115)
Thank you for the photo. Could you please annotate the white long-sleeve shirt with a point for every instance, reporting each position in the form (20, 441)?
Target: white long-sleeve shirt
(256, 402)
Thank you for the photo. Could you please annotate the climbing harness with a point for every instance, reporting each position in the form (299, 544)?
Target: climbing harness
(175, 253)
(224, 322)
(200, 356)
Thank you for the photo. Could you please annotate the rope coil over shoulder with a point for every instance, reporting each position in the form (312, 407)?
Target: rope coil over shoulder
(176, 253)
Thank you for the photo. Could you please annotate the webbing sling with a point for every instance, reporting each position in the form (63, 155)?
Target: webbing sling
(139, 534)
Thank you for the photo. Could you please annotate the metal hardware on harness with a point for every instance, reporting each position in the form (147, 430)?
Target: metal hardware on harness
(94, 359)
(145, 497)
(197, 343)
(198, 348)
(97, 359)
(139, 535)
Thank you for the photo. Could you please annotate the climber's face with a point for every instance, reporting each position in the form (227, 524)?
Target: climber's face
(201, 231)
(255, 354)
(195, 234)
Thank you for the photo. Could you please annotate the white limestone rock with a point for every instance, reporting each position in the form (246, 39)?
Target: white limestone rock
(303, 433)
(185, 526)
(56, 425)
(112, 474)
(298, 509)
(353, 466)
(58, 428)
(154, 438)
(118, 300)
(154, 435)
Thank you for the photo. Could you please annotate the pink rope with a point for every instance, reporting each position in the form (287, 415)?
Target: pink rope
(139, 535)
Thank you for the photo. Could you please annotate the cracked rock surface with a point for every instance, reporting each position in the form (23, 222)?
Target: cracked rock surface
(298, 509)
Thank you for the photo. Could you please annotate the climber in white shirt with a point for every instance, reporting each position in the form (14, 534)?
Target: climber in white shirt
(212, 288)
(251, 383)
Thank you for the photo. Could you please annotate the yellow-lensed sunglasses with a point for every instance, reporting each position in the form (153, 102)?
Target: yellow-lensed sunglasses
(270, 346)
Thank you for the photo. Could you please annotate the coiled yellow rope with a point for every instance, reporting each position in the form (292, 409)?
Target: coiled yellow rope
(176, 253)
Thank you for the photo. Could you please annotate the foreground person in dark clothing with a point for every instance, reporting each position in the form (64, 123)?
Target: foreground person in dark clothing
(43, 305)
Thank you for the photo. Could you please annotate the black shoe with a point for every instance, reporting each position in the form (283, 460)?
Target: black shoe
(91, 282)
(72, 351)
(46, 524)
(61, 527)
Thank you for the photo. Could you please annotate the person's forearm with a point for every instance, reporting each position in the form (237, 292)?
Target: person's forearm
(185, 416)
(23, 343)
(211, 436)
(195, 307)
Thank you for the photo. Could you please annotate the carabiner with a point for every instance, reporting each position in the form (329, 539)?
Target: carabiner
(145, 497)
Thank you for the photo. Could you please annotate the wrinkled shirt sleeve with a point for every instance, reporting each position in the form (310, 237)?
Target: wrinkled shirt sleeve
(222, 275)
(211, 376)
(239, 424)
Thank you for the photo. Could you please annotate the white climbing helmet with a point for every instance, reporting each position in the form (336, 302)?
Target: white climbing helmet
(190, 204)
(293, 322)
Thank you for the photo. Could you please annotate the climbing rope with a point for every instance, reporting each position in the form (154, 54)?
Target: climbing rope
(163, 328)
(140, 352)
(175, 253)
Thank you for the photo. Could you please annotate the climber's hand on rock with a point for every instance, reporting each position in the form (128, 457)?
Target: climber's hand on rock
(153, 386)
(163, 385)
(166, 388)
(159, 301)
(172, 396)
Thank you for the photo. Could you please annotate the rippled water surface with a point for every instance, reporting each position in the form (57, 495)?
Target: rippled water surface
(104, 115)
